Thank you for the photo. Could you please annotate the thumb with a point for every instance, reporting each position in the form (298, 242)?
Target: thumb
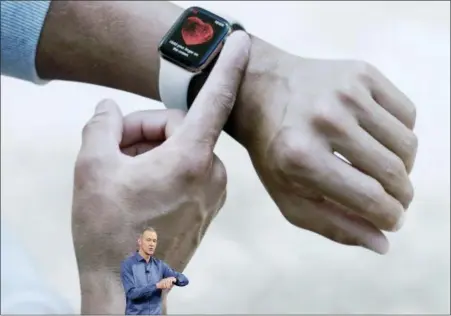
(213, 105)
(103, 133)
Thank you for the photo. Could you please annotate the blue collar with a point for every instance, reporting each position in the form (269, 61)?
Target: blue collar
(139, 258)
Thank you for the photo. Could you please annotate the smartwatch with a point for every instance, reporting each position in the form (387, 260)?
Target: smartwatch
(188, 52)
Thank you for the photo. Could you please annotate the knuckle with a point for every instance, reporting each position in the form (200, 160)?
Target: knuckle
(395, 170)
(327, 120)
(386, 216)
(409, 113)
(219, 177)
(392, 222)
(412, 144)
(349, 92)
(373, 197)
(397, 177)
(409, 110)
(409, 193)
(290, 153)
(324, 116)
(352, 96)
(409, 148)
(375, 194)
(365, 71)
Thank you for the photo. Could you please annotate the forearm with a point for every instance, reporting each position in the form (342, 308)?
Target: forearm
(114, 44)
(108, 43)
(102, 292)
(142, 292)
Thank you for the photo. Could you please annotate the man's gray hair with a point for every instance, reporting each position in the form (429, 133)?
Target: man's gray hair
(149, 229)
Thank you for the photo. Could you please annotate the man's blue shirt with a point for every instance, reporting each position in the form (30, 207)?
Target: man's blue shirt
(140, 278)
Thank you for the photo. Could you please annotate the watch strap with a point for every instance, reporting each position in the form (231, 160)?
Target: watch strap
(174, 82)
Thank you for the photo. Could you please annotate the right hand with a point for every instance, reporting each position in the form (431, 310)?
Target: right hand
(154, 168)
(166, 284)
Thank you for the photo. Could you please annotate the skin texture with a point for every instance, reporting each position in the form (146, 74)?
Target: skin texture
(291, 114)
(140, 170)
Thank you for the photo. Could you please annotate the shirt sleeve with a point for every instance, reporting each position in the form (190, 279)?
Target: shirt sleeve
(182, 280)
(21, 26)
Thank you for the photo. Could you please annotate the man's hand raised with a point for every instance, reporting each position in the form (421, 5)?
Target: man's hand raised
(166, 284)
(152, 168)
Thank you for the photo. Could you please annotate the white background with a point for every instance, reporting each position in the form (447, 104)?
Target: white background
(252, 260)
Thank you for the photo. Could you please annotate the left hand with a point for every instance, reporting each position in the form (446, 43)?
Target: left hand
(304, 110)
(167, 283)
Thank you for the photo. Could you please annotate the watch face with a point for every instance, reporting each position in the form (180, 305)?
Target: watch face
(194, 38)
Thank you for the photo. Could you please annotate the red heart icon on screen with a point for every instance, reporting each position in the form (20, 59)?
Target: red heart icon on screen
(196, 32)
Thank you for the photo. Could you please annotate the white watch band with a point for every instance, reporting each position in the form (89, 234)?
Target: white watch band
(173, 84)
(174, 81)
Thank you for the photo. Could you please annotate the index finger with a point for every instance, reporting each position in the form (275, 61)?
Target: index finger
(213, 105)
(393, 100)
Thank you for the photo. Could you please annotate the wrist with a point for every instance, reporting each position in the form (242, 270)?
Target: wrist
(251, 117)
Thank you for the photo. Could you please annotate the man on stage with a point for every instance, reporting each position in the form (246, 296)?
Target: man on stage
(144, 277)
